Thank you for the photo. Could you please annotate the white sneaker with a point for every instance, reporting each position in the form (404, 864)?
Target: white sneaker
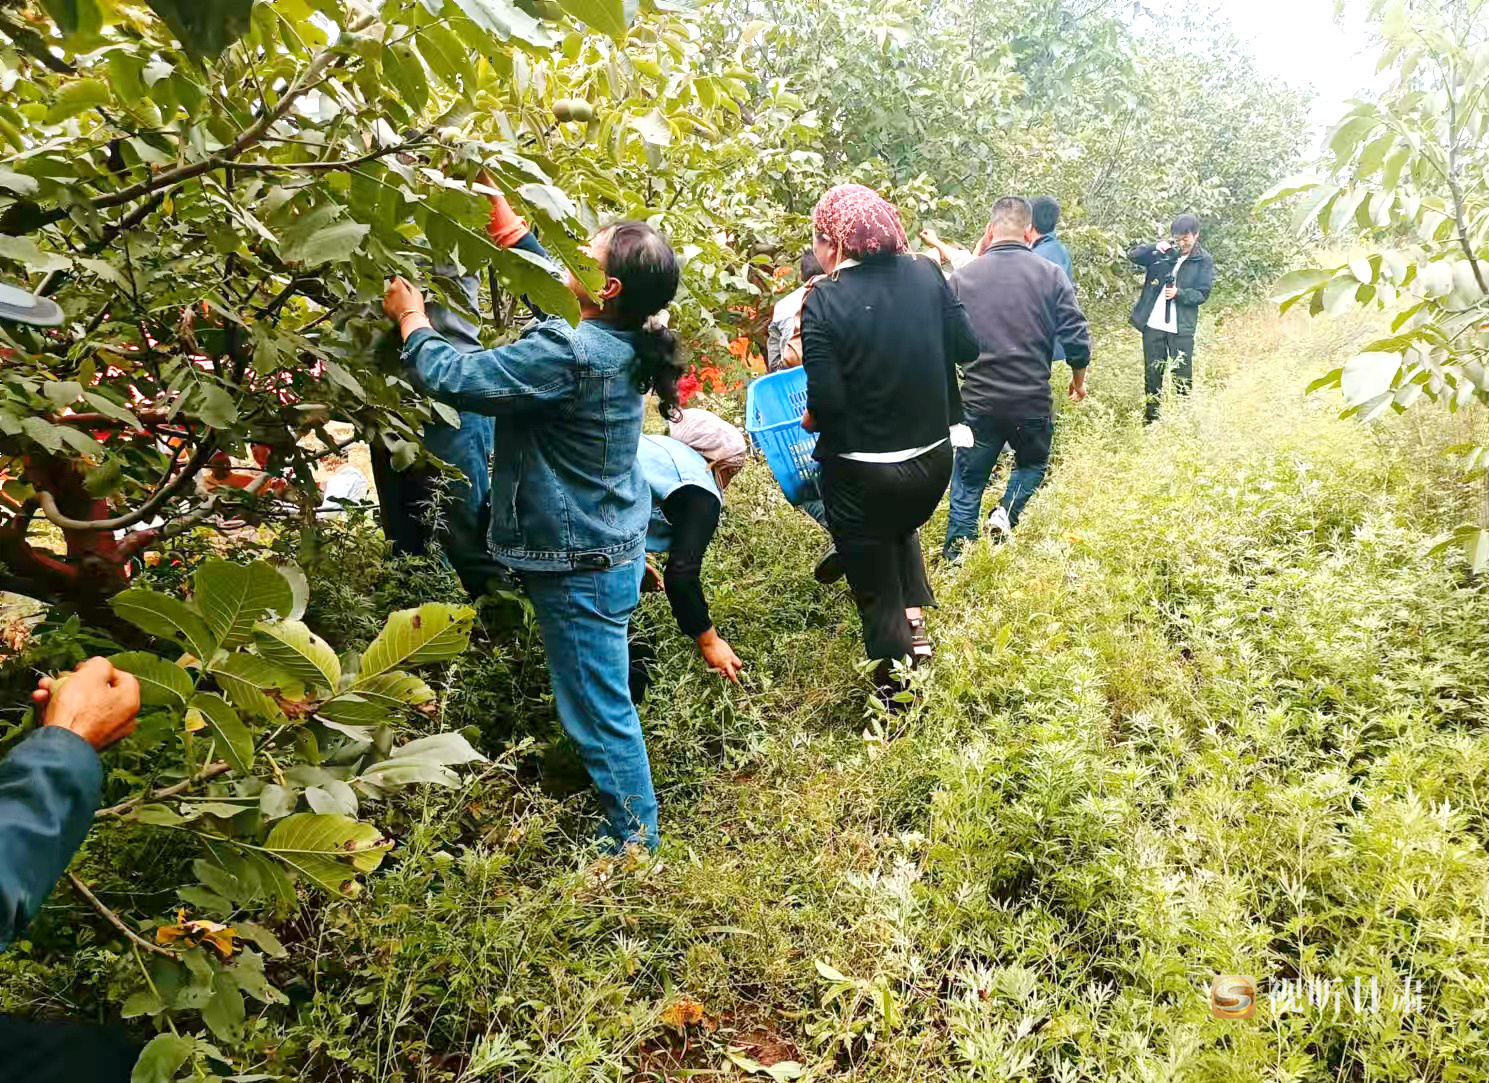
(997, 523)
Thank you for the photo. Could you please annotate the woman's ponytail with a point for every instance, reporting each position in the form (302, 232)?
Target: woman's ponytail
(646, 267)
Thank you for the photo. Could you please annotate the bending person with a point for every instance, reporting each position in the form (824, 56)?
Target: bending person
(882, 337)
(569, 502)
(686, 501)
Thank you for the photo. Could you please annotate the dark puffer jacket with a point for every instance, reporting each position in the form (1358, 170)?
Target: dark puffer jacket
(1196, 279)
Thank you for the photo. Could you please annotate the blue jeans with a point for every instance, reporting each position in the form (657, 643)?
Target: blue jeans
(1029, 439)
(584, 617)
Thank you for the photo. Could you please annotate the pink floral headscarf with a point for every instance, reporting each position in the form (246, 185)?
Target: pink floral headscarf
(859, 222)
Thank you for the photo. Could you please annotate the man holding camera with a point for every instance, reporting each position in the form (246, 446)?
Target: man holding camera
(1179, 275)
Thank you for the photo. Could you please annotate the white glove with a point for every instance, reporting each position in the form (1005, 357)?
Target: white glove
(961, 436)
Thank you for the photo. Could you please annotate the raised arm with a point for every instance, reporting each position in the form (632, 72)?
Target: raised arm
(1144, 255)
(528, 375)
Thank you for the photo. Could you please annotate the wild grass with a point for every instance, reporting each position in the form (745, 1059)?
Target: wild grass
(1213, 710)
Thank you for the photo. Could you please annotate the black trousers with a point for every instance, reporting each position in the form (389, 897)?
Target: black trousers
(874, 511)
(1163, 352)
(64, 1051)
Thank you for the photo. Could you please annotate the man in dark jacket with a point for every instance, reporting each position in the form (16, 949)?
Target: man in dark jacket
(1021, 307)
(49, 790)
(1179, 275)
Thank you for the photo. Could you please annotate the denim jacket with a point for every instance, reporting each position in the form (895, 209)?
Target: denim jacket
(49, 787)
(567, 491)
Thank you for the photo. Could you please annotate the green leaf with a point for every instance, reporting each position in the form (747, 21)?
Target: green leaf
(441, 748)
(335, 796)
(162, 1059)
(654, 128)
(395, 774)
(251, 683)
(205, 27)
(162, 683)
(403, 68)
(234, 596)
(329, 244)
(328, 849)
(18, 183)
(77, 97)
(75, 16)
(353, 710)
(506, 20)
(606, 16)
(447, 55)
(298, 651)
(265, 939)
(23, 250)
(394, 689)
(234, 741)
(430, 633)
(215, 406)
(166, 617)
(1368, 375)
(224, 1013)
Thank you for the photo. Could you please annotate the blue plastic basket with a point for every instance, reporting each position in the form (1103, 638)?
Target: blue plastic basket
(773, 409)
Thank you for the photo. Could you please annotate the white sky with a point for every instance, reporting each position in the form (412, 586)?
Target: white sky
(1298, 41)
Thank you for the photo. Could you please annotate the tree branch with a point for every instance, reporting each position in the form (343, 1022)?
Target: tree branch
(252, 135)
(1457, 190)
(345, 163)
(157, 499)
(206, 774)
(34, 45)
(115, 920)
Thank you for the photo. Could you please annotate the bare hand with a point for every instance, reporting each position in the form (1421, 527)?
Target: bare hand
(1077, 391)
(96, 701)
(1170, 292)
(1165, 245)
(402, 300)
(808, 422)
(929, 236)
(719, 656)
(651, 578)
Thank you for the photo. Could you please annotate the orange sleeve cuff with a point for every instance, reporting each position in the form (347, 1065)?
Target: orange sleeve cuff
(505, 227)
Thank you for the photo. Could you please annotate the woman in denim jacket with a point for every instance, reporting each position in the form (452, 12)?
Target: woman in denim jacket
(569, 502)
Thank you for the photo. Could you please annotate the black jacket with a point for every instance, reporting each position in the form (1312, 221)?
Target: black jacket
(1196, 279)
(1022, 308)
(881, 342)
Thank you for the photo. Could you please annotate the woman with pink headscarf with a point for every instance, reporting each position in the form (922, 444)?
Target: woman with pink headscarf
(882, 336)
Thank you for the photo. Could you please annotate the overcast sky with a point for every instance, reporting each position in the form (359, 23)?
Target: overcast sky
(1297, 40)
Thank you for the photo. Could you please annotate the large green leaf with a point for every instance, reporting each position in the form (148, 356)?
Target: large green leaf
(234, 741)
(395, 689)
(75, 16)
(162, 1058)
(162, 683)
(298, 651)
(1368, 375)
(431, 633)
(328, 849)
(506, 20)
(166, 617)
(606, 16)
(205, 27)
(253, 683)
(329, 244)
(233, 596)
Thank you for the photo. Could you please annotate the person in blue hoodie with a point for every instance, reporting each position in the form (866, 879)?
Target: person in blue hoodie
(569, 503)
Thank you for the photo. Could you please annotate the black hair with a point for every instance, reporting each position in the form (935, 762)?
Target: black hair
(1046, 211)
(810, 267)
(1185, 223)
(644, 263)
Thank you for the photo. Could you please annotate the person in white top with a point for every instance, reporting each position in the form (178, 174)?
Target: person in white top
(346, 486)
(783, 316)
(1178, 277)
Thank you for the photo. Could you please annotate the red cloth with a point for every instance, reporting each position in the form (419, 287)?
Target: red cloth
(859, 222)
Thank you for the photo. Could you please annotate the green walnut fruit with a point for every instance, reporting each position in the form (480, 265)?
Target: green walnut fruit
(576, 109)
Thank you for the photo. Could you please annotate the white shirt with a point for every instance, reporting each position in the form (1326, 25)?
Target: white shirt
(347, 486)
(1165, 316)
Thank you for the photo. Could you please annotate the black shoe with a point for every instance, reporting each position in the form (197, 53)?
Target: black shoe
(829, 569)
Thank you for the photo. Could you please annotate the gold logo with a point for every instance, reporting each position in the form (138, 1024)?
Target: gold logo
(1233, 996)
